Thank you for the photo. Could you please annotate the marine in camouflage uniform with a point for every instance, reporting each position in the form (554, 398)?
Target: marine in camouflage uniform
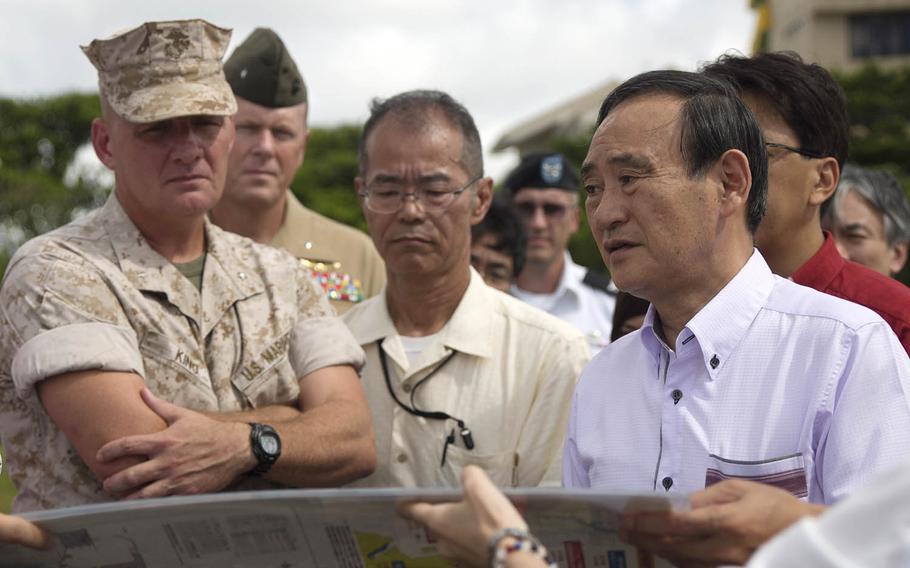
(271, 141)
(95, 305)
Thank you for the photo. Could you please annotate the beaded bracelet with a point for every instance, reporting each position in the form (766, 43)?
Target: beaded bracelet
(524, 541)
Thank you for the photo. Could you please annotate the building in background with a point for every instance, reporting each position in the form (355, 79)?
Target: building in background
(571, 119)
(840, 35)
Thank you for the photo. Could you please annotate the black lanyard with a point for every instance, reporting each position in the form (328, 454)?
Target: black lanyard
(465, 432)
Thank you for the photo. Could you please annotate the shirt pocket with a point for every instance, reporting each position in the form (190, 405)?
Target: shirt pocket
(170, 368)
(268, 377)
(500, 466)
(786, 472)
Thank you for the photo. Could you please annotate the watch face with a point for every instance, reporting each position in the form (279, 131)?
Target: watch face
(269, 444)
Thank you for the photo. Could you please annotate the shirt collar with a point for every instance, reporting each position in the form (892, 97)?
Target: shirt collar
(569, 282)
(294, 223)
(572, 276)
(462, 332)
(819, 271)
(149, 271)
(718, 328)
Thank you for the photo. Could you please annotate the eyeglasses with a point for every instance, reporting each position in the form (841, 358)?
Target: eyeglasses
(800, 151)
(433, 197)
(527, 210)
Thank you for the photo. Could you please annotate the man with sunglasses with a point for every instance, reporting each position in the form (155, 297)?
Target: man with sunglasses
(544, 193)
(456, 372)
(802, 113)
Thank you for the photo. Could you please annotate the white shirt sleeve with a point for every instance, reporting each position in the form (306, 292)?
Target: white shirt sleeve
(871, 528)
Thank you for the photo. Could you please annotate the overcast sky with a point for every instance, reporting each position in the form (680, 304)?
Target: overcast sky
(506, 60)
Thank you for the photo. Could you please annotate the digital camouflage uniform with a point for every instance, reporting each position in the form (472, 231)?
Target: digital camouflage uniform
(151, 72)
(94, 295)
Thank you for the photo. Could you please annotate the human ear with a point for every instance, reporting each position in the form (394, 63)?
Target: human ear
(483, 197)
(898, 257)
(736, 181)
(101, 142)
(828, 174)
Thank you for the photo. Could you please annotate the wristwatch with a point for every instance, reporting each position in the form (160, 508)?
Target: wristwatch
(266, 446)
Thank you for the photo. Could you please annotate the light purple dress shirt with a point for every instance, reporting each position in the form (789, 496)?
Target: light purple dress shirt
(771, 381)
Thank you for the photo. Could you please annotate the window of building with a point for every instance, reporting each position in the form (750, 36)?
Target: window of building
(880, 33)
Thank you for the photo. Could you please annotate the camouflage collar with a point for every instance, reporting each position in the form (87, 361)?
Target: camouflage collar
(226, 278)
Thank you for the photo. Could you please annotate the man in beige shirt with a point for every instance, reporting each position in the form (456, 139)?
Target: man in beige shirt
(271, 142)
(457, 373)
(252, 375)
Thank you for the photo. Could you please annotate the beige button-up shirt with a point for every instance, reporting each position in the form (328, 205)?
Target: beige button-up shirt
(94, 295)
(342, 259)
(510, 381)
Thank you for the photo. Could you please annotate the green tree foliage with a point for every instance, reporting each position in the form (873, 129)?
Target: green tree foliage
(325, 183)
(38, 140)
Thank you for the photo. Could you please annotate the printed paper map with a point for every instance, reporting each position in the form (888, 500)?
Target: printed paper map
(354, 528)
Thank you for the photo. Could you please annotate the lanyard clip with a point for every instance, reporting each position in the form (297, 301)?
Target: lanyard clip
(467, 438)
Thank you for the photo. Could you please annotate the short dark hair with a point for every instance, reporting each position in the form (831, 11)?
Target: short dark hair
(713, 120)
(806, 96)
(502, 222)
(416, 107)
(884, 193)
(627, 307)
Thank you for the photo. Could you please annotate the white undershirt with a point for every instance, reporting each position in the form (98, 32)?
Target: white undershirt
(414, 346)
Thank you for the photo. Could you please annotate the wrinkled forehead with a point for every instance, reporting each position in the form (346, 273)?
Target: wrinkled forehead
(248, 111)
(414, 149)
(646, 125)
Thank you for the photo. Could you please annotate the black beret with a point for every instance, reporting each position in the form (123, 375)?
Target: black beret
(542, 170)
(262, 71)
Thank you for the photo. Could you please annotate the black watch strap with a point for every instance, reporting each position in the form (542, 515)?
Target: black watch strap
(266, 447)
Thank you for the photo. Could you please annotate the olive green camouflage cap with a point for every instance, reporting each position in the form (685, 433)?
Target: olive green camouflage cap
(163, 70)
(263, 72)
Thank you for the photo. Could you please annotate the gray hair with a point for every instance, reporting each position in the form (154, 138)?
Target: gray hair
(884, 193)
(416, 108)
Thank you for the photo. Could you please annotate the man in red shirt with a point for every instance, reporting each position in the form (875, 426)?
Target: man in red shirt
(802, 113)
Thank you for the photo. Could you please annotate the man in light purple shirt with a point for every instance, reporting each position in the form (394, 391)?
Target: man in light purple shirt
(736, 373)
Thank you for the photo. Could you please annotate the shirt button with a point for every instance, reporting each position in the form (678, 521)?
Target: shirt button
(714, 361)
(406, 388)
(667, 482)
(402, 458)
(677, 396)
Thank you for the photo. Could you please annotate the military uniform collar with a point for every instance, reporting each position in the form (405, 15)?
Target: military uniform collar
(297, 216)
(226, 277)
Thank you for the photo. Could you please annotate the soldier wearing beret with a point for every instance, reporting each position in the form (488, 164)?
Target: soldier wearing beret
(544, 193)
(271, 141)
(146, 352)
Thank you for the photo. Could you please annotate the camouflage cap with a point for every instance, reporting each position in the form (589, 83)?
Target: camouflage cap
(263, 72)
(163, 70)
